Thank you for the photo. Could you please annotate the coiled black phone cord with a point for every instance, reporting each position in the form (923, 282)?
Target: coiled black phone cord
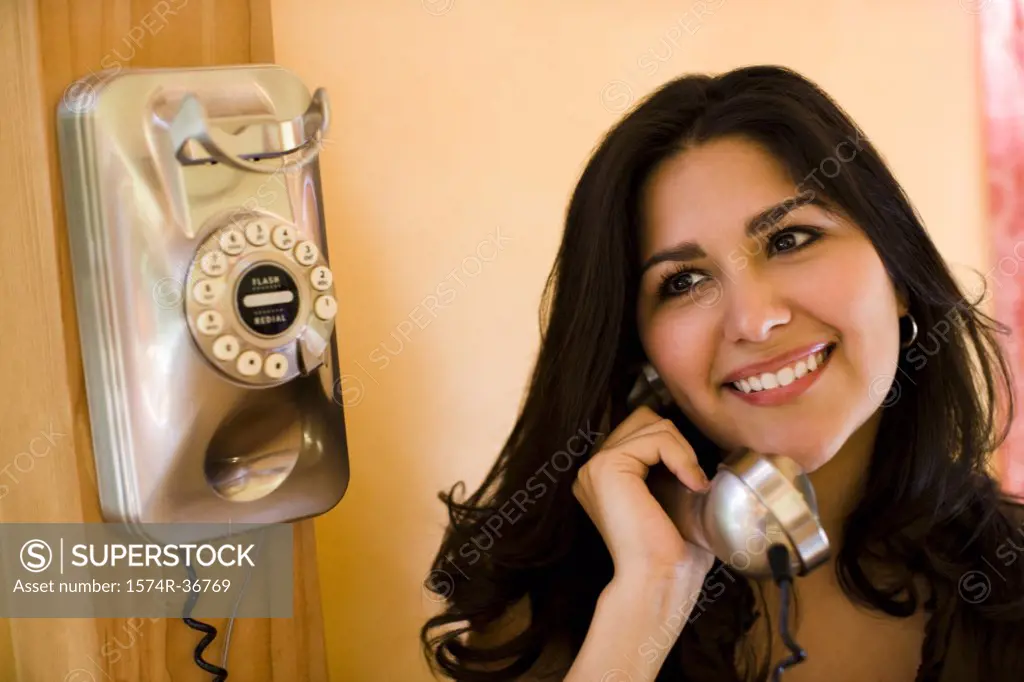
(210, 632)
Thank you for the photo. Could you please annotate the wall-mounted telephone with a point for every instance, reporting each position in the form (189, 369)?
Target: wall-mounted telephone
(205, 297)
(755, 500)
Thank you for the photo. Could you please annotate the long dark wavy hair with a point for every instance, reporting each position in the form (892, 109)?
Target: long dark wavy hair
(930, 507)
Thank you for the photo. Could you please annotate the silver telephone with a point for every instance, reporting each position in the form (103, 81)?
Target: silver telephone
(760, 515)
(205, 298)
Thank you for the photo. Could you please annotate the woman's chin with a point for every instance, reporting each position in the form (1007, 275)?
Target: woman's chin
(810, 462)
(810, 456)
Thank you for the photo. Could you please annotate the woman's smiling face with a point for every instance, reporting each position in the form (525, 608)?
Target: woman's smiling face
(750, 283)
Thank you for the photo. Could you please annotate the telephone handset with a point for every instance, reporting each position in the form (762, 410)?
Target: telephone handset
(755, 501)
(760, 515)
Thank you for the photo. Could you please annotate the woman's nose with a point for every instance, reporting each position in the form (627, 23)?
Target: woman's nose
(753, 307)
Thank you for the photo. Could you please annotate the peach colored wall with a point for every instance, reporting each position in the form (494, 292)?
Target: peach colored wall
(459, 120)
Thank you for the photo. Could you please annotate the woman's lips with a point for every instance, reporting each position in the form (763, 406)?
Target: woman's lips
(782, 394)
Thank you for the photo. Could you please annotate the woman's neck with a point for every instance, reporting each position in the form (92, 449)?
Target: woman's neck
(838, 483)
(837, 489)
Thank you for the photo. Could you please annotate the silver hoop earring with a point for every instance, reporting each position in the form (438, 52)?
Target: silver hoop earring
(913, 330)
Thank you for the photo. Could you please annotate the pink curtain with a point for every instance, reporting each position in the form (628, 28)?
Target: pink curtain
(1001, 24)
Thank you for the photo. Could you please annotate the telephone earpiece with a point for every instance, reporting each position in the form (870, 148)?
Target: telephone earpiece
(755, 501)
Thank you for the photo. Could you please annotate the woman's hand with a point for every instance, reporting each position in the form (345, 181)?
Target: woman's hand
(612, 487)
(658, 574)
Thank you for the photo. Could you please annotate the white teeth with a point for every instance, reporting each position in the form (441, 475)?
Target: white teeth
(783, 377)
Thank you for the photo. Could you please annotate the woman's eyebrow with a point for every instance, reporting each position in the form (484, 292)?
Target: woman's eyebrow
(763, 220)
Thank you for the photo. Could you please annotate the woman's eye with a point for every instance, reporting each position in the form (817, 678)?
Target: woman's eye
(791, 239)
(680, 283)
(688, 281)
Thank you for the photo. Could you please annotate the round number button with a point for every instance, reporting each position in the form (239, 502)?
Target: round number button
(321, 278)
(226, 348)
(276, 366)
(257, 232)
(284, 237)
(210, 322)
(326, 307)
(250, 363)
(306, 253)
(214, 263)
(206, 291)
(232, 242)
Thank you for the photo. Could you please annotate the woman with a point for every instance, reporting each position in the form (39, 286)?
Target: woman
(740, 239)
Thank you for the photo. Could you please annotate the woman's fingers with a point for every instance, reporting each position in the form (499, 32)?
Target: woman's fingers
(612, 488)
(639, 418)
(669, 448)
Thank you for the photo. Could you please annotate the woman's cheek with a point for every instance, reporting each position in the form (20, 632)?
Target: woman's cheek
(867, 324)
(873, 312)
(682, 348)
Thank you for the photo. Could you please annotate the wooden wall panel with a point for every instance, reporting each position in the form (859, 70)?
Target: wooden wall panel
(44, 46)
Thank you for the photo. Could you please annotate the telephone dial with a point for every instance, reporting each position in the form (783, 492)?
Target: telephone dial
(205, 297)
(261, 303)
